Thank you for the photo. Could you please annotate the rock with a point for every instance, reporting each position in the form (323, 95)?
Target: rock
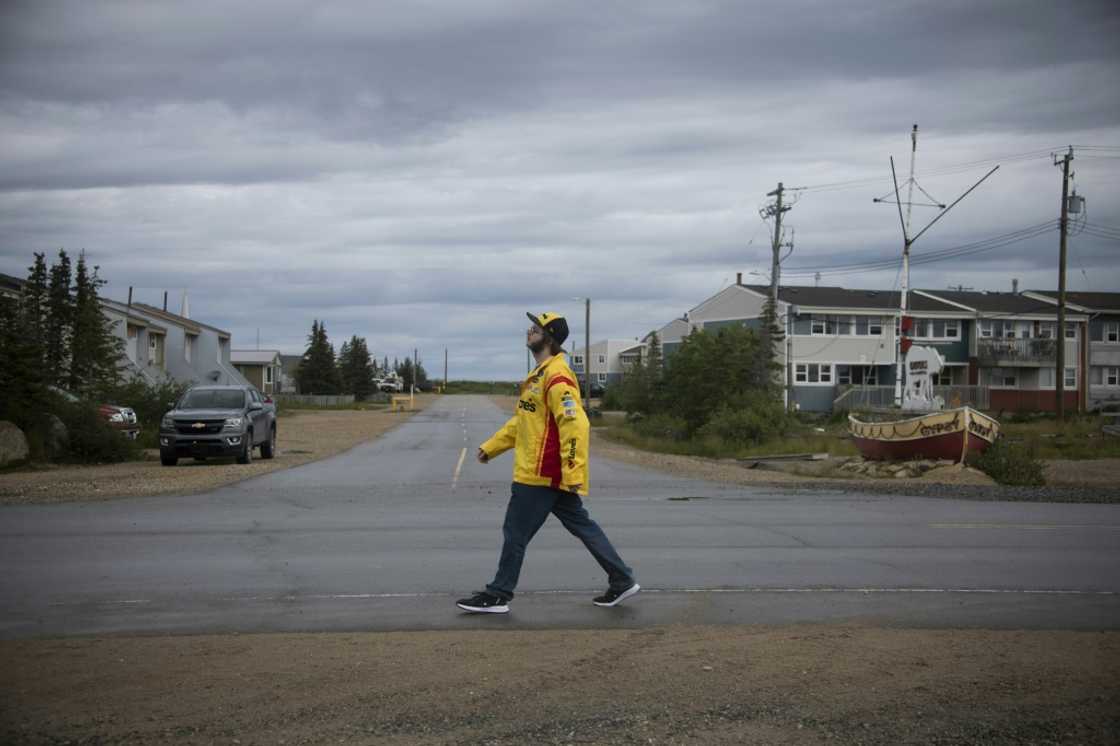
(13, 444)
(56, 438)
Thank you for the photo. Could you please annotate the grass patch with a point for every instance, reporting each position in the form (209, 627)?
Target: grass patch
(800, 441)
(1079, 437)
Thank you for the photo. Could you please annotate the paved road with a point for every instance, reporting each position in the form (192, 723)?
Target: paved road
(387, 535)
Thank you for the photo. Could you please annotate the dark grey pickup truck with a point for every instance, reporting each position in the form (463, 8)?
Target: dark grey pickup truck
(218, 421)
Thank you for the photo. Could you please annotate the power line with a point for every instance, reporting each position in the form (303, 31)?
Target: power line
(974, 247)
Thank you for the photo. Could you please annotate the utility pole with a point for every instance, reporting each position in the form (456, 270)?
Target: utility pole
(775, 210)
(445, 369)
(587, 352)
(412, 393)
(1060, 374)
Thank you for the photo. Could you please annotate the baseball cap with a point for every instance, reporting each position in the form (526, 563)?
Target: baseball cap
(553, 324)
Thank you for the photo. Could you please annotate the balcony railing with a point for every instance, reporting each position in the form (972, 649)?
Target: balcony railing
(1011, 351)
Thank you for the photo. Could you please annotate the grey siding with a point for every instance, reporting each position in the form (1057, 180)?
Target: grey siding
(814, 398)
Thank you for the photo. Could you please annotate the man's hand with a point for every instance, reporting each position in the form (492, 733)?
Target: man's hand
(574, 487)
(482, 457)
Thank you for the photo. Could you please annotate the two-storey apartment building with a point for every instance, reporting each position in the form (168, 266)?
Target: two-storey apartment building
(1103, 313)
(1013, 349)
(606, 361)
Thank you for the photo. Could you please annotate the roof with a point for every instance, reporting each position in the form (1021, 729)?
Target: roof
(289, 364)
(1092, 301)
(992, 302)
(254, 357)
(8, 282)
(176, 319)
(836, 297)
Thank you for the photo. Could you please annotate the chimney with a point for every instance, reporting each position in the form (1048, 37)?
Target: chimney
(738, 278)
(164, 300)
(1014, 284)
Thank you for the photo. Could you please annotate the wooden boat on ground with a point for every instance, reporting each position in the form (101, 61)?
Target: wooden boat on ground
(948, 435)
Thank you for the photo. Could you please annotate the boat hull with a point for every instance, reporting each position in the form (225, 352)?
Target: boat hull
(950, 436)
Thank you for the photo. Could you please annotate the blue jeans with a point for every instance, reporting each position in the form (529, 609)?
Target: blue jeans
(528, 508)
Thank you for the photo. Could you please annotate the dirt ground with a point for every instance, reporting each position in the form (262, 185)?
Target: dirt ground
(303, 436)
(670, 685)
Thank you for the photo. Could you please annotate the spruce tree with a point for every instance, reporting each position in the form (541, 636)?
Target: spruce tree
(359, 368)
(33, 306)
(95, 352)
(59, 322)
(24, 395)
(317, 373)
(346, 385)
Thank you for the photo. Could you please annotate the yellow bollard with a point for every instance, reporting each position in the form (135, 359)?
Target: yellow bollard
(400, 403)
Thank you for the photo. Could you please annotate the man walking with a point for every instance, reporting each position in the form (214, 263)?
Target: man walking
(549, 433)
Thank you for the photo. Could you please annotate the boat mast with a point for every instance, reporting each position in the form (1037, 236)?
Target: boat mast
(904, 295)
(908, 241)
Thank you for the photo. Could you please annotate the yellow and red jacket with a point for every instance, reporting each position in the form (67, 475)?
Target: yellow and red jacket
(549, 431)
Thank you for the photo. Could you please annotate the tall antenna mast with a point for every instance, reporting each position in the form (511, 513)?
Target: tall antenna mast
(908, 241)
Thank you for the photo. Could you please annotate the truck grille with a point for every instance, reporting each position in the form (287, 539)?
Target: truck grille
(209, 427)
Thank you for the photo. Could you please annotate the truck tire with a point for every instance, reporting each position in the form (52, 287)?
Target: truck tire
(246, 455)
(168, 459)
(268, 447)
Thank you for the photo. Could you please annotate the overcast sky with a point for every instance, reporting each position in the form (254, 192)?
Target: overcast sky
(423, 175)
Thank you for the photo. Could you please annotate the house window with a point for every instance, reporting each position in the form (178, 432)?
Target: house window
(1112, 331)
(861, 326)
(844, 325)
(577, 359)
(843, 374)
(1071, 331)
(986, 329)
(1071, 378)
(812, 373)
(1009, 330)
(1046, 378)
(268, 374)
(952, 329)
(819, 325)
(602, 377)
(1003, 378)
(875, 327)
(1045, 330)
(602, 359)
(1112, 376)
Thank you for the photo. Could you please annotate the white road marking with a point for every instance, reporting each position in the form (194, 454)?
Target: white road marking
(438, 594)
(1027, 526)
(458, 468)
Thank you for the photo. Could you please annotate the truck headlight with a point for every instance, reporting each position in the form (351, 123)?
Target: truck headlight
(233, 423)
(167, 423)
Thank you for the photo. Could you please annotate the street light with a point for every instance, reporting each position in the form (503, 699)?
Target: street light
(586, 350)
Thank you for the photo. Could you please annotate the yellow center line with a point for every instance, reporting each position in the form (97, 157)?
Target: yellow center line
(458, 468)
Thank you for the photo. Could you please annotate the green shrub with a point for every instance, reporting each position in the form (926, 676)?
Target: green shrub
(612, 399)
(664, 426)
(1011, 463)
(92, 441)
(746, 421)
(148, 400)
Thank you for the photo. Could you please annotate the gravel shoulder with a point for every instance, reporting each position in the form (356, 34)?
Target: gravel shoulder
(681, 685)
(302, 437)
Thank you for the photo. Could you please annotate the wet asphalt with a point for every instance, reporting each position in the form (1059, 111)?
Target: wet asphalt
(389, 534)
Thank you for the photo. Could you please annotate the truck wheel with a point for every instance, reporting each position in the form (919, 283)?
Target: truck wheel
(246, 455)
(268, 448)
(168, 459)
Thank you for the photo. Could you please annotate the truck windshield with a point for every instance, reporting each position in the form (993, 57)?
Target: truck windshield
(213, 399)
